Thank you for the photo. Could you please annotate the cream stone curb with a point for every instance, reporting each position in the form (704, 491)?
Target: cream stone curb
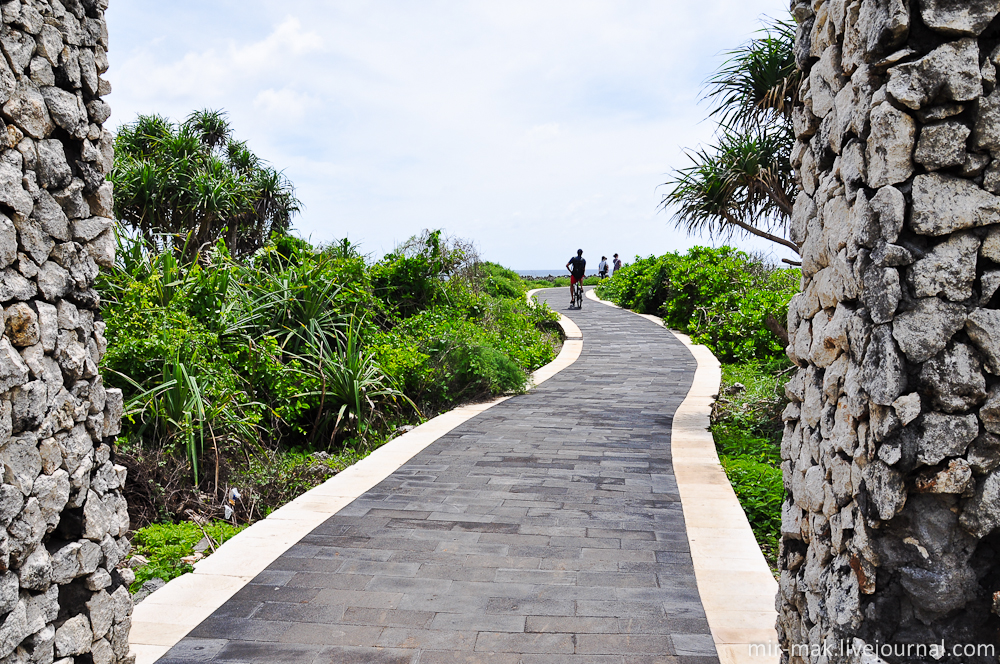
(166, 616)
(734, 581)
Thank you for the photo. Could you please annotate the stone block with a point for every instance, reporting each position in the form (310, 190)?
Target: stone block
(986, 133)
(882, 26)
(883, 367)
(955, 478)
(22, 326)
(941, 436)
(983, 328)
(886, 490)
(942, 145)
(922, 332)
(944, 204)
(74, 637)
(949, 73)
(949, 269)
(889, 155)
(968, 17)
(981, 515)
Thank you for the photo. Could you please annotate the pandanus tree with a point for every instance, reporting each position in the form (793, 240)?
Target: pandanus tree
(744, 182)
(191, 184)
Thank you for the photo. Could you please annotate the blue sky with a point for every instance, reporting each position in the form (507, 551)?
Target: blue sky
(531, 127)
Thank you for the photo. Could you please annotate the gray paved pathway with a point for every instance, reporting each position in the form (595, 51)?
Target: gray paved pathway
(548, 529)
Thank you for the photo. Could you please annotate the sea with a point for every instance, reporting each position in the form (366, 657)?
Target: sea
(563, 272)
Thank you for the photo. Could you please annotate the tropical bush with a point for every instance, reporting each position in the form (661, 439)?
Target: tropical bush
(745, 182)
(732, 302)
(229, 367)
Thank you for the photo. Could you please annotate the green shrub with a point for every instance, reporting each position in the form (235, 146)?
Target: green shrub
(721, 297)
(499, 281)
(487, 347)
(482, 369)
(414, 276)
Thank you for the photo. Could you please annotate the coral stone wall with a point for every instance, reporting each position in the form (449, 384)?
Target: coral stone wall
(892, 439)
(62, 514)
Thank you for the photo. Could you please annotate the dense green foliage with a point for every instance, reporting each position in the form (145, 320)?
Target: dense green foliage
(747, 427)
(226, 364)
(165, 544)
(721, 297)
(192, 183)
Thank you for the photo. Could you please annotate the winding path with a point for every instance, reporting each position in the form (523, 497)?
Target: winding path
(546, 529)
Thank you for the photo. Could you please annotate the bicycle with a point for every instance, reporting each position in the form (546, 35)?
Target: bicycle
(578, 295)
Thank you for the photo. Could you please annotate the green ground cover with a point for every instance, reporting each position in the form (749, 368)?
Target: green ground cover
(165, 545)
(735, 304)
(746, 424)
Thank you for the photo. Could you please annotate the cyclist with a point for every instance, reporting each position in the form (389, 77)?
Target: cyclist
(577, 267)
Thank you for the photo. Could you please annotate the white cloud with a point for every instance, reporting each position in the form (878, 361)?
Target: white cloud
(285, 104)
(531, 126)
(220, 69)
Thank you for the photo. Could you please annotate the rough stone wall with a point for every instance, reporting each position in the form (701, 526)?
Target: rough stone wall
(892, 439)
(62, 514)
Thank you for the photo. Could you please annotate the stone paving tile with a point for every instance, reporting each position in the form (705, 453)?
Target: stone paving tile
(325, 634)
(546, 530)
(427, 639)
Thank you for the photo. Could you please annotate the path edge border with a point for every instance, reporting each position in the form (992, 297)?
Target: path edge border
(735, 583)
(165, 617)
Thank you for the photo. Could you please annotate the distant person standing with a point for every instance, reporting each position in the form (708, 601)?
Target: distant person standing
(577, 267)
(602, 268)
(618, 264)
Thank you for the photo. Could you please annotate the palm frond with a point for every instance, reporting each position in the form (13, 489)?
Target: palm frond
(758, 82)
(211, 126)
(744, 182)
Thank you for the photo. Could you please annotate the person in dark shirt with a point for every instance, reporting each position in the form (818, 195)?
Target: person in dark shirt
(577, 267)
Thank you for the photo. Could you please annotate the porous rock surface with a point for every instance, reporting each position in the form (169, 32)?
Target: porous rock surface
(63, 519)
(891, 451)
